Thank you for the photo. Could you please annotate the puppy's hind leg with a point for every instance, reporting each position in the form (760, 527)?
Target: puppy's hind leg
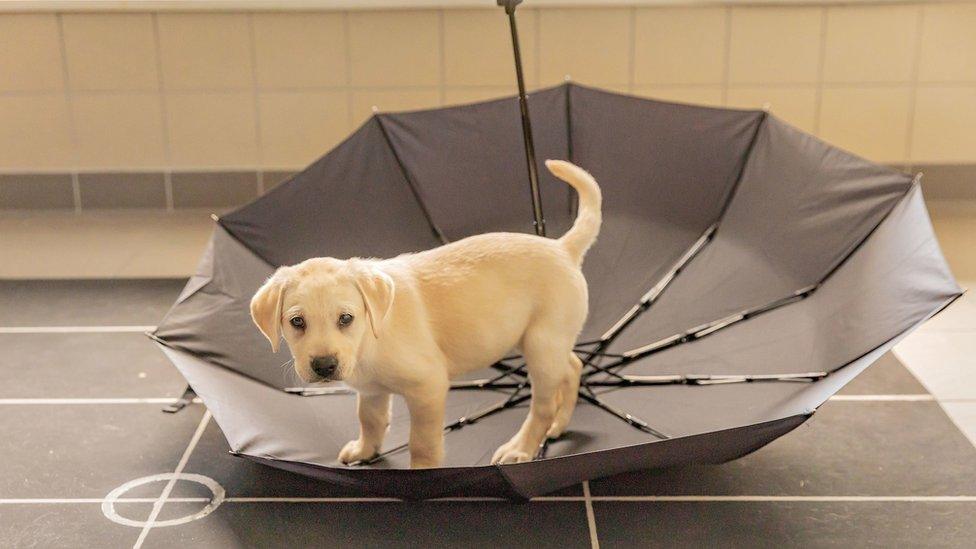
(548, 368)
(568, 394)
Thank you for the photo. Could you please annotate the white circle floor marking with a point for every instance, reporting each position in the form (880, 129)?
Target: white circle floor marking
(108, 504)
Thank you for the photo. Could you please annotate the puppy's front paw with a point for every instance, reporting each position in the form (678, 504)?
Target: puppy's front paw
(357, 450)
(510, 454)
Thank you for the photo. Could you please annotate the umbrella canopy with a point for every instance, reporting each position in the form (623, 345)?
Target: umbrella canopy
(744, 273)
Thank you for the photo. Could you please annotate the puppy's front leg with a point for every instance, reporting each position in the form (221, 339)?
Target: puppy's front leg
(427, 425)
(374, 418)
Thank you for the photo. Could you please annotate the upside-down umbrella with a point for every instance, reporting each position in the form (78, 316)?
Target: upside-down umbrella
(744, 273)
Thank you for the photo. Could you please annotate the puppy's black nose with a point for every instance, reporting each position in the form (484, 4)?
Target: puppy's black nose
(325, 366)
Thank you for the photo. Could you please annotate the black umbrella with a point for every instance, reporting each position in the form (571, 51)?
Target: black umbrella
(744, 273)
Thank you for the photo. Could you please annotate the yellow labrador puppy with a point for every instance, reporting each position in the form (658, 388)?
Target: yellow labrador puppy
(409, 324)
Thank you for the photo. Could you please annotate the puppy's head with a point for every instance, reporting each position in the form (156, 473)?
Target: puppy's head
(324, 308)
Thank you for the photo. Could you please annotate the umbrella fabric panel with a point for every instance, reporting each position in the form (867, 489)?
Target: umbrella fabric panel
(303, 434)
(773, 398)
(536, 478)
(411, 484)
(799, 209)
(897, 278)
(261, 420)
(675, 410)
(468, 163)
(679, 410)
(665, 170)
(213, 319)
(539, 477)
(354, 201)
(815, 394)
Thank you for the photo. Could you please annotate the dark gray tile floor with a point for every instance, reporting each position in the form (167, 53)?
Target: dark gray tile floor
(58, 453)
(86, 450)
(785, 524)
(848, 448)
(86, 302)
(85, 365)
(62, 525)
(421, 525)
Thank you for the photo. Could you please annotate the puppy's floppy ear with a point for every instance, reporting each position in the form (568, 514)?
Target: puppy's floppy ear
(377, 289)
(266, 307)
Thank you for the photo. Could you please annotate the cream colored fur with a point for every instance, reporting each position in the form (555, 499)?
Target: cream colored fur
(421, 319)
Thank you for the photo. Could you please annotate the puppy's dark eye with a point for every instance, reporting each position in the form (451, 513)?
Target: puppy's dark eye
(345, 319)
(297, 322)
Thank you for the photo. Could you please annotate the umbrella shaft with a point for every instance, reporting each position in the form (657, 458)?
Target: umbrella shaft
(540, 222)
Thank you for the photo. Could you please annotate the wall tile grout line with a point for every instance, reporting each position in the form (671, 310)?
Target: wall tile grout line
(590, 516)
(913, 89)
(347, 42)
(256, 98)
(164, 115)
(441, 60)
(76, 190)
(69, 105)
(192, 170)
(184, 459)
(632, 61)
(537, 49)
(168, 190)
(821, 62)
(727, 57)
(433, 87)
(964, 83)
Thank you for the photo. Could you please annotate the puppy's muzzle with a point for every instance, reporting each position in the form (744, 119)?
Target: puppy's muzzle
(325, 366)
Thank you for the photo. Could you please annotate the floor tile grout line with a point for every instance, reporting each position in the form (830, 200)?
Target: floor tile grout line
(789, 499)
(590, 516)
(84, 401)
(748, 498)
(74, 329)
(184, 459)
(905, 397)
(56, 501)
(29, 401)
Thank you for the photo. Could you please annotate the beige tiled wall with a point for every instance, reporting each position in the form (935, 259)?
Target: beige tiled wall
(271, 91)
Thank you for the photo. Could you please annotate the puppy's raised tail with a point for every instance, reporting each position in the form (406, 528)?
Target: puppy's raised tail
(583, 233)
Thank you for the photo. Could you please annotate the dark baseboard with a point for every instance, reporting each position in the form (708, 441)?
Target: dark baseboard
(139, 190)
(948, 181)
(227, 189)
